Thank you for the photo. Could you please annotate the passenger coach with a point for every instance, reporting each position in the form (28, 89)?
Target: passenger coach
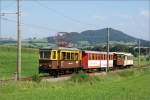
(94, 59)
(123, 59)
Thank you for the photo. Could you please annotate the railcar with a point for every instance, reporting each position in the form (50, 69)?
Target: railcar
(123, 59)
(59, 60)
(94, 60)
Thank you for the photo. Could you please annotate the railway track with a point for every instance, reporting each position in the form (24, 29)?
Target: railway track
(66, 77)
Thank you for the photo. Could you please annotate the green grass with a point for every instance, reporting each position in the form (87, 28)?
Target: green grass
(143, 61)
(113, 86)
(8, 62)
(128, 84)
(29, 62)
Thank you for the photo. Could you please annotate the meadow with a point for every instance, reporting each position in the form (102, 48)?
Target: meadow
(8, 62)
(128, 84)
(125, 85)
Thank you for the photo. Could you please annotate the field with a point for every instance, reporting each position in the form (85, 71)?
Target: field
(29, 62)
(8, 62)
(128, 84)
(125, 85)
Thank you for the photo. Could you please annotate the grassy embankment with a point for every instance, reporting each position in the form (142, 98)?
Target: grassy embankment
(126, 85)
(129, 84)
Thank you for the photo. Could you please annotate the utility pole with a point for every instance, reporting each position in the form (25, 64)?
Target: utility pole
(139, 52)
(18, 69)
(0, 21)
(108, 31)
(18, 42)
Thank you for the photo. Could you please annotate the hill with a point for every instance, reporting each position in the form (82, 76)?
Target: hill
(99, 36)
(82, 39)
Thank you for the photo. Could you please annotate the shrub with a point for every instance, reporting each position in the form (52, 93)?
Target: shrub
(36, 78)
(126, 73)
(83, 77)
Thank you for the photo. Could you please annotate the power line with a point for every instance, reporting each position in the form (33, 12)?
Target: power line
(63, 15)
(30, 25)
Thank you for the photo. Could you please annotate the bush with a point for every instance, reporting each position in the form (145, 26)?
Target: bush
(83, 77)
(36, 78)
(126, 73)
(147, 58)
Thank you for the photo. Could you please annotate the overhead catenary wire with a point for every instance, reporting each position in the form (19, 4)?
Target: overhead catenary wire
(30, 25)
(64, 15)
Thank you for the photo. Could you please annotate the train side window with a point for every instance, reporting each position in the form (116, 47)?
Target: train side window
(89, 56)
(76, 56)
(68, 55)
(100, 57)
(95, 56)
(72, 56)
(103, 56)
(63, 55)
(109, 57)
(92, 56)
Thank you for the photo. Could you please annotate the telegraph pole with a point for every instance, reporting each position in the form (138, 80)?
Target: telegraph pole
(139, 52)
(18, 42)
(0, 22)
(18, 69)
(108, 31)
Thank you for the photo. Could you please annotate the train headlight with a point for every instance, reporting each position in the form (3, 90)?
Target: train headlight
(50, 65)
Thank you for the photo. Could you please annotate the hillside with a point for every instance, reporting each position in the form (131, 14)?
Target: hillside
(85, 38)
(99, 36)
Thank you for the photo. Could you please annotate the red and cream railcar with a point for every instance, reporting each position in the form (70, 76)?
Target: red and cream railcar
(123, 59)
(94, 59)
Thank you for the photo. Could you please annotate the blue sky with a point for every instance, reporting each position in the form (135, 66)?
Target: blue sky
(45, 18)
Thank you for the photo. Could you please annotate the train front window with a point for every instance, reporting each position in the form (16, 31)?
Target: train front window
(45, 54)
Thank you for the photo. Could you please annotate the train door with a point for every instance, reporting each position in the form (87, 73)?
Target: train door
(54, 59)
(125, 60)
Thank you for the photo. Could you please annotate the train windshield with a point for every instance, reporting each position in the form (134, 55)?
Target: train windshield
(45, 54)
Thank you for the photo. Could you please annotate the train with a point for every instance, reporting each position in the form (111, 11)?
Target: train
(62, 60)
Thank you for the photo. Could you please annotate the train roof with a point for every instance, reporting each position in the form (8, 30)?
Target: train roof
(123, 53)
(59, 48)
(97, 52)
